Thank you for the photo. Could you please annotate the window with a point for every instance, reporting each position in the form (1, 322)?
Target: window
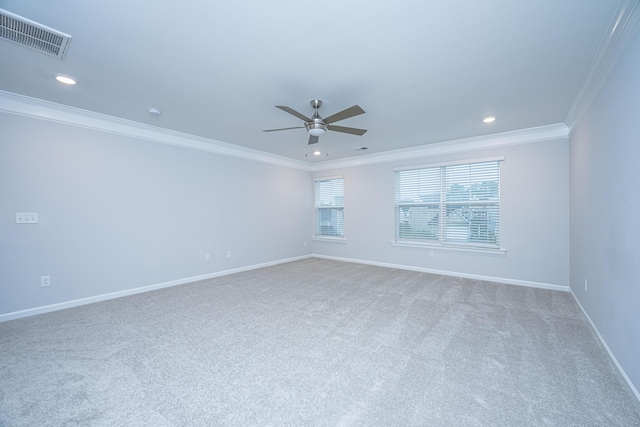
(451, 204)
(330, 207)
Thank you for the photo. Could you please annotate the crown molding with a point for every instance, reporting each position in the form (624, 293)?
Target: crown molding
(44, 110)
(523, 136)
(621, 28)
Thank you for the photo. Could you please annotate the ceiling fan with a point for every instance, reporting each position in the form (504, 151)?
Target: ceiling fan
(316, 125)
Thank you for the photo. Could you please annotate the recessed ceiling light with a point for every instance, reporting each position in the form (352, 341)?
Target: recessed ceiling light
(316, 153)
(489, 119)
(66, 80)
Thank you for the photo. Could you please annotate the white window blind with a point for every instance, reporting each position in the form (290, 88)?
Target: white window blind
(451, 204)
(330, 207)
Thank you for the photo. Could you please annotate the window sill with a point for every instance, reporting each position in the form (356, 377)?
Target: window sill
(337, 239)
(452, 248)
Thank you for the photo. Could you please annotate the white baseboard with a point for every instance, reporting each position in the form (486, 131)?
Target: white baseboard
(112, 295)
(103, 297)
(504, 280)
(634, 390)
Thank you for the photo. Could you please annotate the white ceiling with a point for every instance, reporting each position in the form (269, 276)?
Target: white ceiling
(424, 71)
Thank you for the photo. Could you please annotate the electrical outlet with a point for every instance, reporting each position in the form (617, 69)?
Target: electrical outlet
(26, 218)
(45, 281)
(432, 253)
(305, 243)
(207, 258)
(586, 285)
(228, 254)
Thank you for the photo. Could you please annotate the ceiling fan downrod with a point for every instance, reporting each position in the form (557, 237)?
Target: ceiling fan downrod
(317, 127)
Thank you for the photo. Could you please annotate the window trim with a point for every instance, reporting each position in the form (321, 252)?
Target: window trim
(450, 247)
(323, 238)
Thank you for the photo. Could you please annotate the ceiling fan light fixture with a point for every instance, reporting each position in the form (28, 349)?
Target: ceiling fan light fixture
(316, 129)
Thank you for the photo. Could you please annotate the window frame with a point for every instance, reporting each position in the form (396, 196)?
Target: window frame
(437, 214)
(329, 217)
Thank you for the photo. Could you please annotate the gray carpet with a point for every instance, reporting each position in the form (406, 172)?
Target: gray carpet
(314, 343)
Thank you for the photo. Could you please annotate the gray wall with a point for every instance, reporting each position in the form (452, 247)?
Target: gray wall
(118, 213)
(534, 222)
(605, 211)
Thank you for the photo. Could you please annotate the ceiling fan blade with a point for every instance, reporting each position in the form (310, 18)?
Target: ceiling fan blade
(294, 112)
(345, 114)
(313, 139)
(343, 129)
(274, 130)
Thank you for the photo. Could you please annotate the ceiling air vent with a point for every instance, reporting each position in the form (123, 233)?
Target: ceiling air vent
(31, 34)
